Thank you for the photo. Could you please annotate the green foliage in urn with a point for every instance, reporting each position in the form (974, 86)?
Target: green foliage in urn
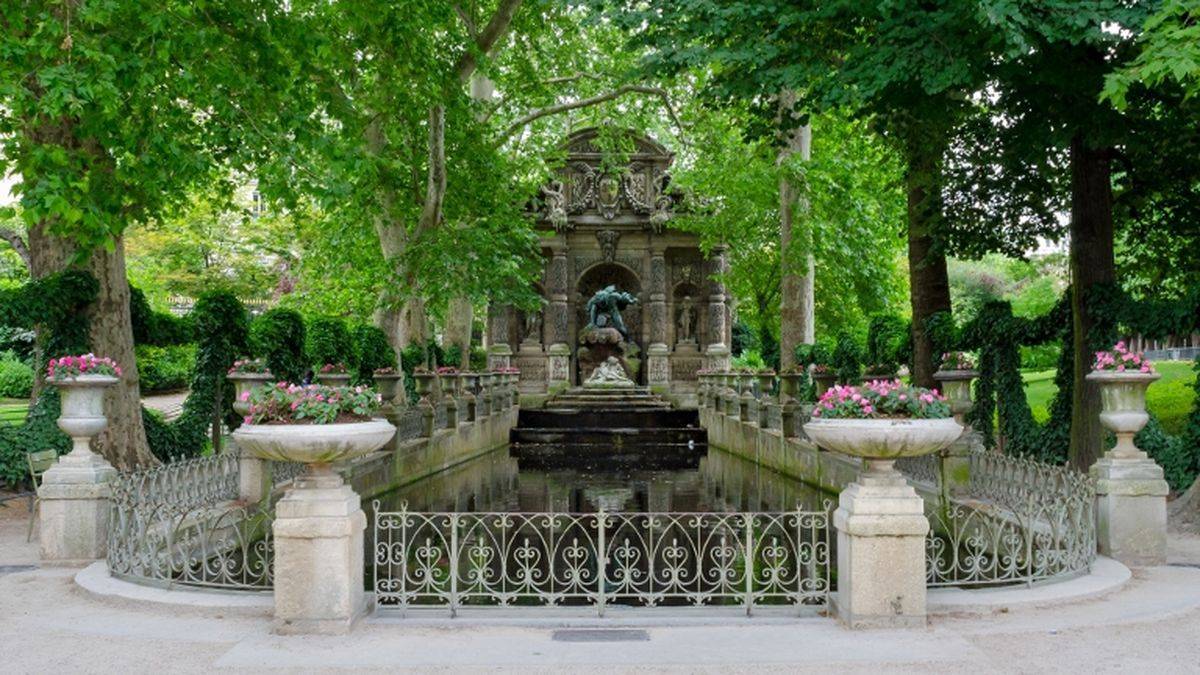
(372, 352)
(315, 404)
(279, 337)
(328, 342)
(881, 399)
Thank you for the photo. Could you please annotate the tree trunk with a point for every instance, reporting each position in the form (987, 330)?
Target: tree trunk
(928, 279)
(124, 441)
(796, 306)
(47, 255)
(1091, 264)
(459, 317)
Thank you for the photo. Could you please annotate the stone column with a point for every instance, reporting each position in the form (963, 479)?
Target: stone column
(319, 557)
(718, 345)
(658, 368)
(499, 350)
(558, 366)
(254, 475)
(881, 529)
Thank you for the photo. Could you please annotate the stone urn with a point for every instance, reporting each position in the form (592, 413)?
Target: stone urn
(880, 519)
(82, 416)
(388, 385)
(334, 379)
(319, 523)
(316, 445)
(956, 385)
(766, 382)
(1123, 407)
(425, 383)
(822, 381)
(789, 387)
(245, 384)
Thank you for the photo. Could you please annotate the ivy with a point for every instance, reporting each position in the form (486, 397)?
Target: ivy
(221, 324)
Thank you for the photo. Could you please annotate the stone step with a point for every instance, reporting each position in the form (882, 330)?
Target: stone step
(610, 437)
(616, 418)
(601, 457)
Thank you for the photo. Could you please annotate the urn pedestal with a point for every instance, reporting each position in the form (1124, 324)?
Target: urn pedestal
(319, 523)
(880, 519)
(1131, 495)
(74, 496)
(254, 475)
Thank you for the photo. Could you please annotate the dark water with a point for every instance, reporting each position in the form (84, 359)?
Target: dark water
(497, 482)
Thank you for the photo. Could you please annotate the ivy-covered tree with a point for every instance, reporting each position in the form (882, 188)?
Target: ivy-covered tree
(109, 113)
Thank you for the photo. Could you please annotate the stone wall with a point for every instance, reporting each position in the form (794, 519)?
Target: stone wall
(408, 461)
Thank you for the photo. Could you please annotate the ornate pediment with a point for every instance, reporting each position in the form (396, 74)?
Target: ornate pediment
(587, 185)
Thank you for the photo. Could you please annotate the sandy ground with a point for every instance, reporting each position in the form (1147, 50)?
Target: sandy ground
(51, 625)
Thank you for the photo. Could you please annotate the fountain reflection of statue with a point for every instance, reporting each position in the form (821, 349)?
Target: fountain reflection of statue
(604, 309)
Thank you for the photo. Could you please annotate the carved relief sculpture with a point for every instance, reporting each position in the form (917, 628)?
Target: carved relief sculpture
(533, 328)
(556, 206)
(608, 244)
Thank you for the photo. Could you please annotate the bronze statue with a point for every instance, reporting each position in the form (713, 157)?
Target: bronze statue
(604, 309)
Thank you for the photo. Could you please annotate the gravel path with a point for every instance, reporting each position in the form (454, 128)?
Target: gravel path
(1151, 625)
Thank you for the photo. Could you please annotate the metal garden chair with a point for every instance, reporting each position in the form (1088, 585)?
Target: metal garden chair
(39, 461)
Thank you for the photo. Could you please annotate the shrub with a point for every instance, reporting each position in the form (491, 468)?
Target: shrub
(886, 337)
(1177, 460)
(372, 351)
(16, 377)
(165, 368)
(1040, 357)
(221, 325)
(478, 359)
(328, 342)
(847, 358)
(156, 328)
(39, 432)
(278, 337)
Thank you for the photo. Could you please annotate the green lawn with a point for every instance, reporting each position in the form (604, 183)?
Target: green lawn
(12, 410)
(1170, 398)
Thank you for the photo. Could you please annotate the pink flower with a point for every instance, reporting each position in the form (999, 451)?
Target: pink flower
(247, 419)
(245, 396)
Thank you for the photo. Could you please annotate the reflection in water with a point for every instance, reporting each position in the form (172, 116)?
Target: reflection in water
(494, 482)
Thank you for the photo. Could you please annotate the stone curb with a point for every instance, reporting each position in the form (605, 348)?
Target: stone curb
(1107, 576)
(95, 580)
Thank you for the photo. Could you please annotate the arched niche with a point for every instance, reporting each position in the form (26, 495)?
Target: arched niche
(681, 293)
(604, 274)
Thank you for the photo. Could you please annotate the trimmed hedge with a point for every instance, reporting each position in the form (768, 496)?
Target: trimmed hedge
(165, 368)
(371, 352)
(16, 377)
(328, 341)
(156, 328)
(278, 337)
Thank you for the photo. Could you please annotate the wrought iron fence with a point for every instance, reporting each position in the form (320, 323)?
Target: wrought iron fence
(177, 524)
(282, 472)
(457, 560)
(1019, 521)
(923, 469)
